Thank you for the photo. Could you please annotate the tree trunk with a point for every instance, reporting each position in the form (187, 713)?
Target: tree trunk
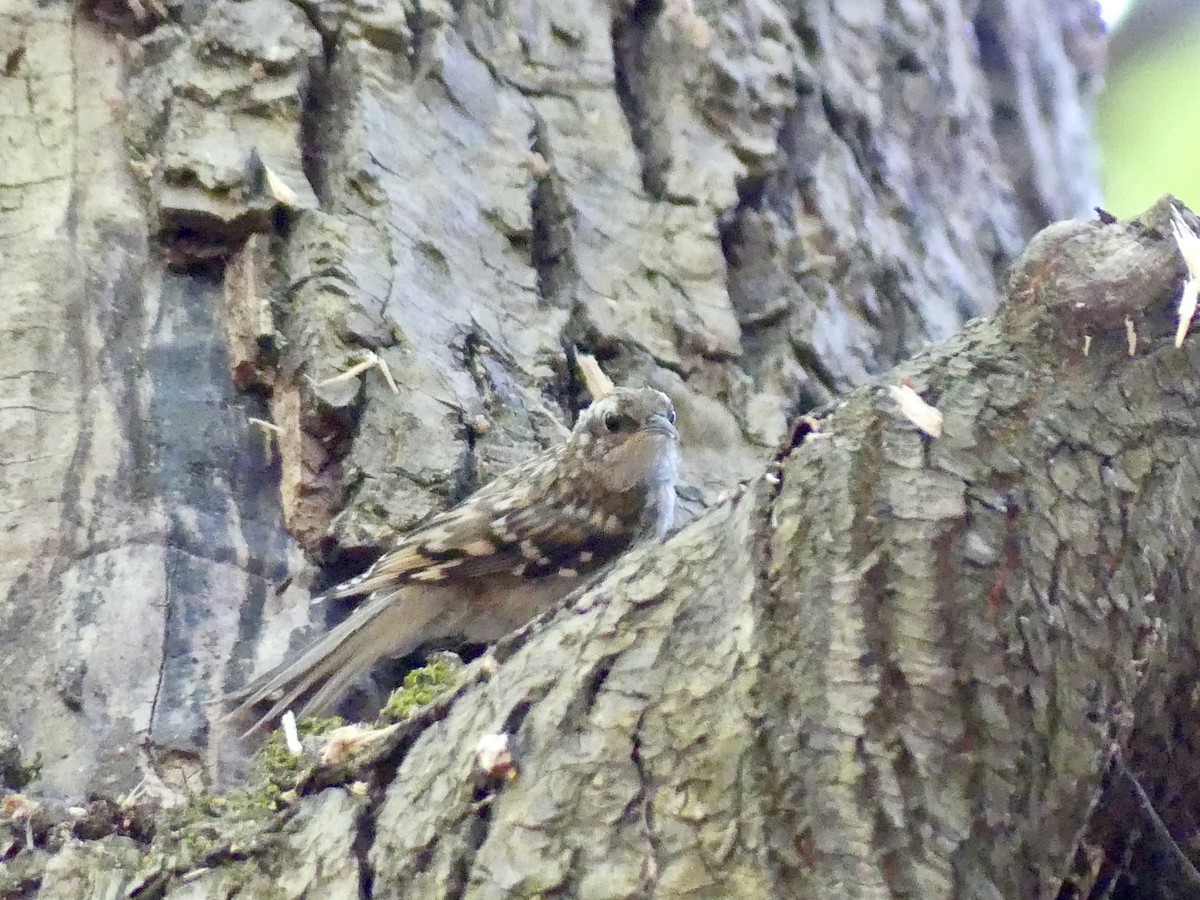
(892, 666)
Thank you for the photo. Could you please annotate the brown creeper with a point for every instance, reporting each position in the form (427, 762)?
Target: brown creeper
(504, 555)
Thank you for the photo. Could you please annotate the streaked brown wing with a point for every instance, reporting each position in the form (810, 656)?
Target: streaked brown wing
(516, 524)
(465, 544)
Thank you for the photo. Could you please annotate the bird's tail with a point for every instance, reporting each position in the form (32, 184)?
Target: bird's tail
(391, 624)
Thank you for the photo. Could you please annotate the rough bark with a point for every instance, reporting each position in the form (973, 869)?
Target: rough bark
(211, 208)
(892, 666)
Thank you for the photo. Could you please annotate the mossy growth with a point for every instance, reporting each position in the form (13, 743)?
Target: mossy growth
(421, 686)
(214, 829)
(16, 771)
(27, 772)
(210, 827)
(275, 768)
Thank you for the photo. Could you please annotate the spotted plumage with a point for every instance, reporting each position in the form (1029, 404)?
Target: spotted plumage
(504, 555)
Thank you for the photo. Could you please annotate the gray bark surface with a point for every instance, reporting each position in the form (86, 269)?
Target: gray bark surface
(212, 208)
(889, 667)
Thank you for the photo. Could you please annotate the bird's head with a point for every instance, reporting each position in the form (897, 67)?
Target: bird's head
(629, 436)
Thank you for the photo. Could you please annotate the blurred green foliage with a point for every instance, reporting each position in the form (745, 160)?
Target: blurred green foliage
(1149, 120)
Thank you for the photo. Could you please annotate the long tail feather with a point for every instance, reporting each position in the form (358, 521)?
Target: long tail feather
(391, 624)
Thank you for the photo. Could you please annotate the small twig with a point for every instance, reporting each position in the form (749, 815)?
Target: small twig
(386, 371)
(265, 425)
(1189, 248)
(353, 372)
(280, 190)
(371, 360)
(291, 734)
(597, 383)
(1160, 828)
(913, 407)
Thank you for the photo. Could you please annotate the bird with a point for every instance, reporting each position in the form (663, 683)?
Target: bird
(500, 558)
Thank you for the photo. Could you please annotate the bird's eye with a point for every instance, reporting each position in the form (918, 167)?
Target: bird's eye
(612, 421)
(671, 416)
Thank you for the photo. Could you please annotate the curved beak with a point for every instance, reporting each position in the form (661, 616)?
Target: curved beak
(658, 424)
